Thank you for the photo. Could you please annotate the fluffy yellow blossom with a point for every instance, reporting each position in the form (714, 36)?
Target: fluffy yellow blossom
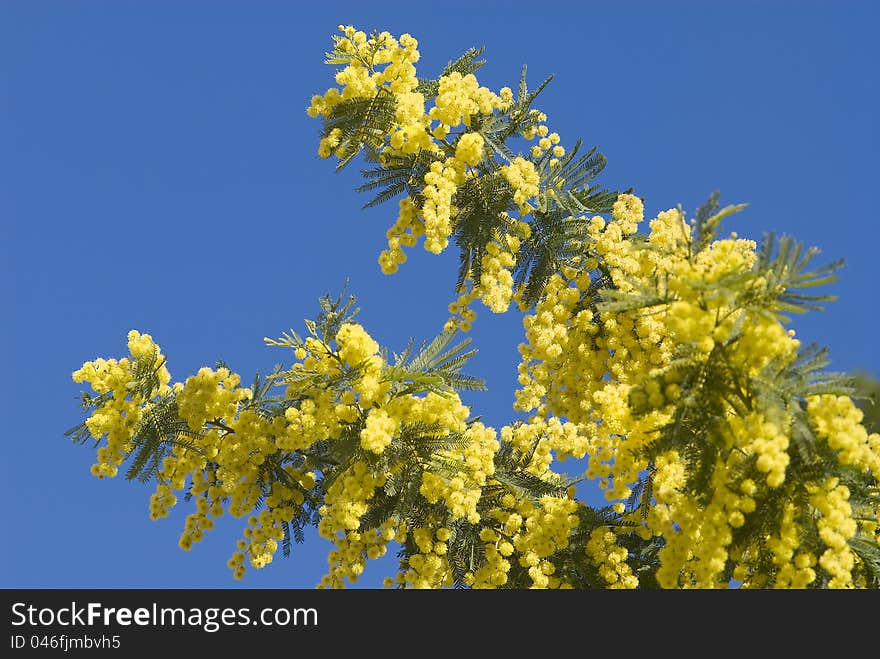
(460, 97)
(611, 559)
(547, 528)
(118, 418)
(836, 526)
(628, 210)
(354, 344)
(838, 421)
(524, 179)
(469, 148)
(795, 568)
(378, 431)
(210, 396)
(441, 183)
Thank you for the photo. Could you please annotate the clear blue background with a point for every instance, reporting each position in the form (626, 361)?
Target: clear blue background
(158, 171)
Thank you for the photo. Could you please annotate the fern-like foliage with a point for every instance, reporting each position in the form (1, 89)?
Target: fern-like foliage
(467, 63)
(398, 175)
(512, 476)
(80, 433)
(483, 205)
(556, 236)
(435, 367)
(707, 223)
(159, 431)
(565, 184)
(782, 263)
(334, 313)
(363, 124)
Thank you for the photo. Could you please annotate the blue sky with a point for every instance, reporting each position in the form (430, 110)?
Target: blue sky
(158, 171)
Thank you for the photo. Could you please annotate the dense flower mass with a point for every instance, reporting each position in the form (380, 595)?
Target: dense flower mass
(454, 131)
(382, 68)
(656, 355)
(116, 419)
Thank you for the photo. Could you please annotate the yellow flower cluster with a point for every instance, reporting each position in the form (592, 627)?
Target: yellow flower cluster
(364, 76)
(836, 526)
(618, 376)
(228, 443)
(266, 529)
(545, 438)
(547, 142)
(264, 533)
(459, 98)
(524, 179)
(210, 396)
(437, 211)
(404, 233)
(429, 568)
(357, 348)
(495, 288)
(461, 493)
(346, 500)
(442, 130)
(603, 549)
(839, 422)
(494, 572)
(352, 551)
(496, 280)
(463, 315)
(469, 149)
(629, 211)
(354, 344)
(327, 144)
(206, 402)
(117, 419)
(668, 484)
(548, 335)
(795, 568)
(529, 533)
(546, 529)
(380, 66)
(378, 431)
(759, 436)
(697, 536)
